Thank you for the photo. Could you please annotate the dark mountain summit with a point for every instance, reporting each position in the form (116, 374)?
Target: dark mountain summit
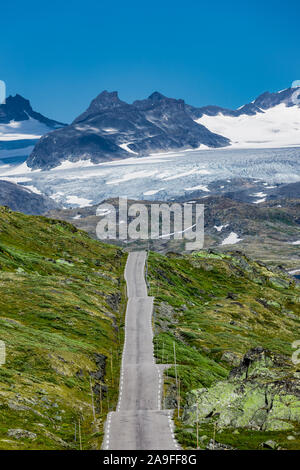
(112, 129)
(18, 109)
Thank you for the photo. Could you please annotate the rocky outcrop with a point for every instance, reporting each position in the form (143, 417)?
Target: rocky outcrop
(262, 393)
(16, 108)
(20, 199)
(21, 434)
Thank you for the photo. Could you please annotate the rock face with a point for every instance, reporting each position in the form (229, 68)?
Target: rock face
(20, 199)
(112, 129)
(19, 109)
(262, 393)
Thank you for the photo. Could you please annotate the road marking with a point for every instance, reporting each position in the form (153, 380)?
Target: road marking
(151, 359)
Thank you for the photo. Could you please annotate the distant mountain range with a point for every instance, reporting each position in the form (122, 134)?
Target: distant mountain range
(112, 129)
(20, 129)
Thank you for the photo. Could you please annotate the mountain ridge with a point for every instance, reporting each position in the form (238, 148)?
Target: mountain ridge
(112, 129)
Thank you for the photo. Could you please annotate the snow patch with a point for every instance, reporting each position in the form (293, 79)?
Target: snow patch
(33, 189)
(68, 164)
(219, 228)
(232, 239)
(200, 187)
(125, 147)
(275, 127)
(152, 192)
(22, 130)
(79, 201)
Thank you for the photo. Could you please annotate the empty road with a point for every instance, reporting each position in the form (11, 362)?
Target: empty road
(139, 423)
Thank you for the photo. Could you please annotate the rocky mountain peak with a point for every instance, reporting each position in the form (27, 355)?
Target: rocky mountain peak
(156, 96)
(17, 108)
(106, 100)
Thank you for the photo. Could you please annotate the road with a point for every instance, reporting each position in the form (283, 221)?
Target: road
(139, 422)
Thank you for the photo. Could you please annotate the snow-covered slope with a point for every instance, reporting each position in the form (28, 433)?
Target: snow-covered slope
(276, 127)
(20, 128)
(274, 121)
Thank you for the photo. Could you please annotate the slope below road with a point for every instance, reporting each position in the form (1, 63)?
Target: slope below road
(139, 423)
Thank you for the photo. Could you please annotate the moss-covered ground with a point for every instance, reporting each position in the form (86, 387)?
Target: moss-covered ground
(62, 306)
(208, 304)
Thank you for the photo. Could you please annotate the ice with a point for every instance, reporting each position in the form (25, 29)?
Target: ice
(78, 201)
(161, 177)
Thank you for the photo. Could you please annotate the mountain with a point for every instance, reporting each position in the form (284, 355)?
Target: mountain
(271, 120)
(112, 129)
(23, 199)
(20, 128)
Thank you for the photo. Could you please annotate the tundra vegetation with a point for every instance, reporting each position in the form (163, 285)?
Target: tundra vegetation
(62, 306)
(232, 322)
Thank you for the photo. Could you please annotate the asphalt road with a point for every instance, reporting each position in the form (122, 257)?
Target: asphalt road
(139, 423)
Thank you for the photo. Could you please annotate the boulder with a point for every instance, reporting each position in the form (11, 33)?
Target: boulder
(21, 434)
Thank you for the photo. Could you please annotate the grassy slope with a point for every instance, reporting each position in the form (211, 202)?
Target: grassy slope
(193, 309)
(57, 309)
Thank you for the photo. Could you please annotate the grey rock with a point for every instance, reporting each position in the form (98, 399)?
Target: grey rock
(21, 434)
(214, 445)
(270, 444)
(19, 198)
(231, 358)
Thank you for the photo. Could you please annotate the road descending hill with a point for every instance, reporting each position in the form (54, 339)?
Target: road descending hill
(139, 422)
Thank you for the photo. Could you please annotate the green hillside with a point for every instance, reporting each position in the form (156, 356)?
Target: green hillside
(61, 315)
(215, 308)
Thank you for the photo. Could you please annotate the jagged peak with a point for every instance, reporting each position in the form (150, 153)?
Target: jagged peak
(108, 96)
(156, 96)
(17, 101)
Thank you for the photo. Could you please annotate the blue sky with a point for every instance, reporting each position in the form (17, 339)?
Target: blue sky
(60, 55)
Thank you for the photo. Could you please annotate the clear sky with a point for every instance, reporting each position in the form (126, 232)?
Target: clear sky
(61, 54)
